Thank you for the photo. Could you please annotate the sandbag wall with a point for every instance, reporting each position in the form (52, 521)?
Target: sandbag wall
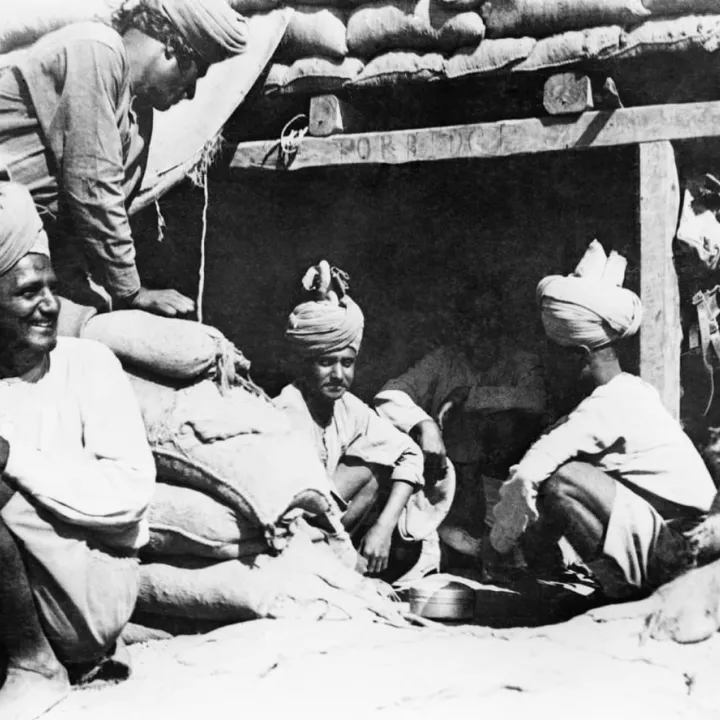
(331, 44)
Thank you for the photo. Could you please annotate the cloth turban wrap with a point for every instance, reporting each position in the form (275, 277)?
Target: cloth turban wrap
(325, 326)
(21, 230)
(580, 312)
(211, 27)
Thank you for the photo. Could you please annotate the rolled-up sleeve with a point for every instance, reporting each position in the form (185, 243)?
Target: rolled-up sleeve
(108, 484)
(79, 92)
(378, 441)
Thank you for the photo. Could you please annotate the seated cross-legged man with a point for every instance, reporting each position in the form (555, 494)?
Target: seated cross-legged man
(76, 477)
(377, 471)
(618, 477)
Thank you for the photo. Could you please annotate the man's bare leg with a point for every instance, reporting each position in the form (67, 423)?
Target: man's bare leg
(36, 680)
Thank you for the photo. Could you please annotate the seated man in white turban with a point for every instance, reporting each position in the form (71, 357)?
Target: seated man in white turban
(76, 115)
(376, 470)
(617, 477)
(76, 477)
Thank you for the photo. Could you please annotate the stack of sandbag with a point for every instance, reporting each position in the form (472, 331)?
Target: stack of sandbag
(405, 41)
(235, 484)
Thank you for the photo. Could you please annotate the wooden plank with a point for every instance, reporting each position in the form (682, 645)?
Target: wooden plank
(660, 333)
(330, 115)
(487, 140)
(567, 93)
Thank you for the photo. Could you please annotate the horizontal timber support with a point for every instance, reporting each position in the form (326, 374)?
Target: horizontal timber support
(625, 126)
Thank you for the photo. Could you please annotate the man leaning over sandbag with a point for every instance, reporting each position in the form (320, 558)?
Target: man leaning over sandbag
(617, 477)
(376, 470)
(75, 113)
(76, 479)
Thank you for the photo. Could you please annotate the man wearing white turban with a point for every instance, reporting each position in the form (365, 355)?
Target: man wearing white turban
(76, 477)
(376, 470)
(617, 477)
(76, 114)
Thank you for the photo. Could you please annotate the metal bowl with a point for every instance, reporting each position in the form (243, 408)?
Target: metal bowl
(451, 601)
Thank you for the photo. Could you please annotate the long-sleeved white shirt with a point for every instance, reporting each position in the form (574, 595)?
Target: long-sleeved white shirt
(78, 445)
(624, 429)
(355, 430)
(513, 381)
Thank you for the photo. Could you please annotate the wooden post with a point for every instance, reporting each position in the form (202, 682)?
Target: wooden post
(661, 333)
(567, 93)
(330, 115)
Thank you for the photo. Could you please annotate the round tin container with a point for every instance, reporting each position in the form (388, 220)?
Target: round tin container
(452, 601)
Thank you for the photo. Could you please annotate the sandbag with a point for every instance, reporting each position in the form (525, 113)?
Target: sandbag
(313, 75)
(411, 25)
(237, 447)
(489, 57)
(250, 7)
(306, 581)
(168, 347)
(188, 522)
(681, 7)
(540, 18)
(314, 31)
(29, 20)
(401, 68)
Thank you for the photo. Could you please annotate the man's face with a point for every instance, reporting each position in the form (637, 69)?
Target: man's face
(168, 81)
(29, 309)
(331, 375)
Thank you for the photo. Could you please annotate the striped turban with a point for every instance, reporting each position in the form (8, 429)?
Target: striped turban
(590, 308)
(21, 230)
(211, 27)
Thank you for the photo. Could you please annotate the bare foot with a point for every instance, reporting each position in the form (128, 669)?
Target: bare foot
(688, 608)
(28, 694)
(704, 539)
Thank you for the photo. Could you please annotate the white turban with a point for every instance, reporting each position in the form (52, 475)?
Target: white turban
(21, 230)
(211, 27)
(331, 323)
(589, 308)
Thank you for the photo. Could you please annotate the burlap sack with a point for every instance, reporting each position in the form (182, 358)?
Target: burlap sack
(540, 18)
(306, 581)
(236, 447)
(168, 347)
(314, 30)
(411, 25)
(188, 522)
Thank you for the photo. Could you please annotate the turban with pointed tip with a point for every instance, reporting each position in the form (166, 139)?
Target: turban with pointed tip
(578, 312)
(211, 27)
(21, 230)
(329, 324)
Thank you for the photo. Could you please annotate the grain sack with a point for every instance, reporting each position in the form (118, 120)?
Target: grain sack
(314, 31)
(31, 19)
(401, 68)
(184, 521)
(168, 347)
(573, 47)
(489, 57)
(540, 18)
(318, 75)
(306, 581)
(237, 447)
(411, 25)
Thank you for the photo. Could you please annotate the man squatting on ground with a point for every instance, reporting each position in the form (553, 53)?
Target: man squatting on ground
(487, 392)
(617, 477)
(75, 123)
(76, 477)
(376, 470)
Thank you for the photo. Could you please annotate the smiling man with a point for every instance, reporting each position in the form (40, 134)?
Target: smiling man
(75, 121)
(76, 477)
(375, 468)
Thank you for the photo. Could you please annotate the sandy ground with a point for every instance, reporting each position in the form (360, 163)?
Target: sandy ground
(581, 668)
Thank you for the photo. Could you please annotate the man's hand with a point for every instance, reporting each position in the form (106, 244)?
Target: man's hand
(457, 398)
(515, 511)
(428, 436)
(375, 548)
(163, 302)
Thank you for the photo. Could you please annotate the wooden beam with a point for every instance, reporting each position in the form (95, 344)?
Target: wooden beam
(487, 140)
(660, 333)
(568, 93)
(330, 115)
